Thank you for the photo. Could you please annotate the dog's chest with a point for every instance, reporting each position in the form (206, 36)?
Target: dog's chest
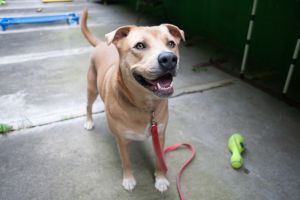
(142, 134)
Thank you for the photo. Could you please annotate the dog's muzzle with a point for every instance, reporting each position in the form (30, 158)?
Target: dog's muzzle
(162, 86)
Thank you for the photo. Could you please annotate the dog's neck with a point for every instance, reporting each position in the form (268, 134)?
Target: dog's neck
(131, 95)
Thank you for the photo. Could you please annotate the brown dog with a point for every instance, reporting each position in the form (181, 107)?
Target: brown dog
(133, 73)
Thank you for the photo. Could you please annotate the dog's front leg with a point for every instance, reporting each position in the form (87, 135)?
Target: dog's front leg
(161, 181)
(129, 181)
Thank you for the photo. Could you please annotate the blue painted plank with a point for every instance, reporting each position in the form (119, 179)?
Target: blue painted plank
(69, 18)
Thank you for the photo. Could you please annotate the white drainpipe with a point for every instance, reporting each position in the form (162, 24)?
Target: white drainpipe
(249, 34)
(291, 70)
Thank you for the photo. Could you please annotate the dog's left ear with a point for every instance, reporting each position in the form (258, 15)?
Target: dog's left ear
(117, 34)
(175, 31)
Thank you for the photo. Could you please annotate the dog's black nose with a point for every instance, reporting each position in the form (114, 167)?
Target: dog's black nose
(167, 60)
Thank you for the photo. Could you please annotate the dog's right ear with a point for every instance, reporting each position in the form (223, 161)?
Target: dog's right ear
(117, 34)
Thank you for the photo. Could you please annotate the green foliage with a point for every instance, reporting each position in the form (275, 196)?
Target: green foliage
(4, 128)
(199, 69)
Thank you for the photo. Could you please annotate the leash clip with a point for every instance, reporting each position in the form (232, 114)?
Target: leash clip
(153, 120)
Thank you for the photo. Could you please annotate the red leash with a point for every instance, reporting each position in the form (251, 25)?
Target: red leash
(160, 155)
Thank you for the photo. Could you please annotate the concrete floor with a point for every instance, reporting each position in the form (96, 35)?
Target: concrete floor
(43, 79)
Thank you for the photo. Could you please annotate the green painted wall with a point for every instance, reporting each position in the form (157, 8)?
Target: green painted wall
(276, 29)
(225, 21)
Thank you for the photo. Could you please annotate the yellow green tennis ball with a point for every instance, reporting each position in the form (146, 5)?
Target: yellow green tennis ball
(236, 146)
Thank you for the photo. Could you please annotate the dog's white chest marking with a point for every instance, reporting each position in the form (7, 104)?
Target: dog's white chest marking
(143, 135)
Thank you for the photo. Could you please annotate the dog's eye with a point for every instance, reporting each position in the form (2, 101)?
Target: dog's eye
(171, 44)
(140, 45)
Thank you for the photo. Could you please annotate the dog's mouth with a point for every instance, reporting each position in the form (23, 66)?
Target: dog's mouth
(162, 86)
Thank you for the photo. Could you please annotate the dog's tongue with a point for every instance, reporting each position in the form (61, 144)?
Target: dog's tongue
(164, 81)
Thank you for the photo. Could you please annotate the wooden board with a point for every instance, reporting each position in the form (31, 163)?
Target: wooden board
(201, 88)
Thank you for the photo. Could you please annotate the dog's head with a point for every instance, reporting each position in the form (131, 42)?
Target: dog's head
(149, 56)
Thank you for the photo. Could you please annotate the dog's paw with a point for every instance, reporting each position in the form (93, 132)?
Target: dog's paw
(161, 183)
(129, 183)
(89, 125)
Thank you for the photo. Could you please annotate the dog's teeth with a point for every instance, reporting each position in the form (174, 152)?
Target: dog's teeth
(159, 86)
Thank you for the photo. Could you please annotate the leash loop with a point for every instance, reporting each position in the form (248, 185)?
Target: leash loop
(160, 154)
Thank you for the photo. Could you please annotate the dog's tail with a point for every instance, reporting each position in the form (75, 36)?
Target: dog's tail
(86, 32)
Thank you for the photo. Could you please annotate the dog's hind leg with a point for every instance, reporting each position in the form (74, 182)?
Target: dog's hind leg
(92, 93)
